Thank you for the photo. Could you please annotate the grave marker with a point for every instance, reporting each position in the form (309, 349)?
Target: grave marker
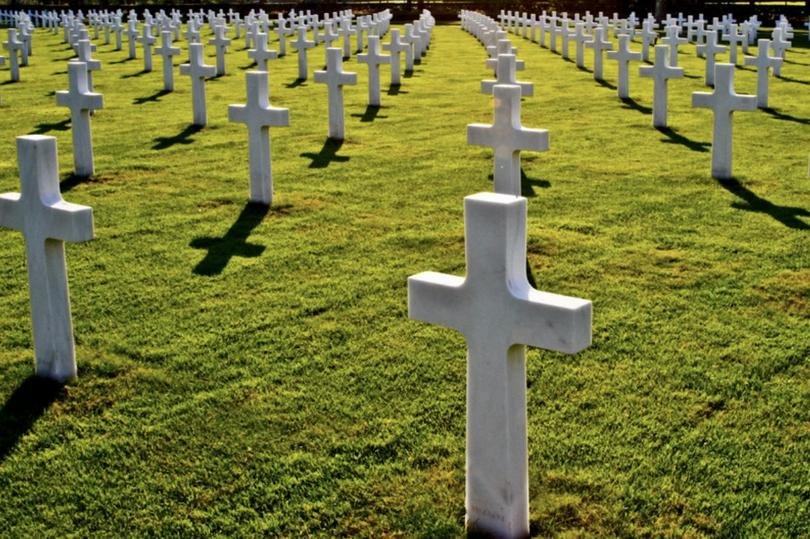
(335, 78)
(198, 71)
(81, 103)
(660, 72)
(374, 60)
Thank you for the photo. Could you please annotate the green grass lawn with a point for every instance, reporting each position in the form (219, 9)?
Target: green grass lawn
(244, 372)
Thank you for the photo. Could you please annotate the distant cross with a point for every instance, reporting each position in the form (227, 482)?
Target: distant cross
(83, 49)
(723, 102)
(580, 38)
(117, 28)
(46, 222)
(396, 47)
(147, 40)
(261, 53)
(411, 39)
(506, 74)
(220, 42)
(661, 72)
(624, 56)
(779, 45)
(565, 34)
(648, 37)
(167, 51)
(346, 32)
(673, 40)
(198, 71)
(499, 314)
(764, 62)
(710, 49)
(302, 44)
(132, 36)
(734, 38)
(507, 137)
(374, 60)
(504, 46)
(14, 47)
(192, 33)
(335, 78)
(283, 31)
(259, 116)
(599, 44)
(81, 103)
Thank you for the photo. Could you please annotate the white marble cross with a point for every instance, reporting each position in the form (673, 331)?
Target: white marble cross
(13, 47)
(396, 47)
(734, 38)
(84, 54)
(46, 222)
(624, 56)
(779, 45)
(166, 51)
(374, 60)
(580, 38)
(335, 78)
(599, 44)
(504, 46)
(283, 31)
(673, 40)
(764, 62)
(147, 40)
(723, 102)
(506, 73)
(661, 72)
(507, 137)
(710, 49)
(259, 116)
(261, 53)
(198, 70)
(411, 39)
(220, 42)
(132, 36)
(81, 103)
(301, 44)
(499, 313)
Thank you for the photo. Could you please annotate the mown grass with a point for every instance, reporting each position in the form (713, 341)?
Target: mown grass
(246, 373)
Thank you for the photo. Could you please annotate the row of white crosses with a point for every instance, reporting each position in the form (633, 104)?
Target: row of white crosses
(499, 312)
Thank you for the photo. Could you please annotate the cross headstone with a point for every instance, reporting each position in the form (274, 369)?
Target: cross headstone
(710, 49)
(261, 53)
(624, 56)
(764, 62)
(673, 40)
(147, 40)
(580, 38)
(723, 101)
(335, 78)
(734, 38)
(301, 44)
(132, 36)
(599, 44)
(220, 42)
(167, 51)
(396, 47)
(81, 103)
(198, 71)
(374, 60)
(506, 73)
(13, 47)
(83, 49)
(507, 137)
(661, 72)
(499, 313)
(259, 116)
(648, 37)
(46, 222)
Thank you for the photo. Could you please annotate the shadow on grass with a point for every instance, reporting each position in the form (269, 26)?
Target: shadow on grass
(45, 127)
(407, 74)
(183, 137)
(296, 83)
(630, 103)
(71, 181)
(787, 117)
(249, 66)
(673, 137)
(327, 154)
(150, 98)
(63, 59)
(22, 409)
(233, 243)
(606, 84)
(787, 215)
(124, 61)
(527, 185)
(140, 73)
(372, 113)
(395, 89)
(585, 69)
(688, 76)
(794, 81)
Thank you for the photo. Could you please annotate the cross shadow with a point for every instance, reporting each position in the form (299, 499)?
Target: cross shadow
(787, 215)
(527, 185)
(183, 137)
(688, 76)
(630, 103)
(296, 83)
(51, 93)
(787, 117)
(125, 60)
(249, 66)
(569, 60)
(676, 138)
(140, 73)
(795, 81)
(395, 89)
(606, 84)
(151, 98)
(407, 74)
(327, 154)
(71, 180)
(44, 127)
(371, 113)
(233, 243)
(63, 59)
(59, 73)
(585, 69)
(23, 408)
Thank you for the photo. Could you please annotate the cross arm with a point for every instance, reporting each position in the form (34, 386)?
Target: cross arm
(563, 323)
(321, 77)
(479, 134)
(10, 211)
(434, 298)
(744, 103)
(703, 99)
(69, 222)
